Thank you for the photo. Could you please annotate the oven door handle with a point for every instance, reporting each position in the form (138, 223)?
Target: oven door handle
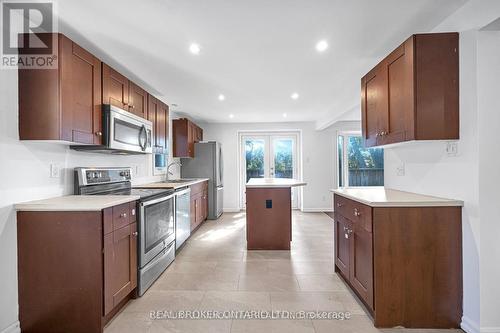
(155, 201)
(143, 140)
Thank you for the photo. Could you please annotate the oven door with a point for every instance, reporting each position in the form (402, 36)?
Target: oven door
(126, 131)
(157, 227)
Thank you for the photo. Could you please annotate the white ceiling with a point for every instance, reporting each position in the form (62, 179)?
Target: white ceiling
(255, 52)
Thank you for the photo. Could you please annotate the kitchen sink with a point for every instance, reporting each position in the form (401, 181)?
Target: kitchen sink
(182, 180)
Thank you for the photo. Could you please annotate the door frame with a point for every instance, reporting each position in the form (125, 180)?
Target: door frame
(269, 133)
(345, 134)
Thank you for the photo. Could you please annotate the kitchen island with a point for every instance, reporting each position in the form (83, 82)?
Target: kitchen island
(269, 213)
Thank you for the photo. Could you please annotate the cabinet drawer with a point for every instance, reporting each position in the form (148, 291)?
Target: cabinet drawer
(198, 188)
(354, 211)
(121, 216)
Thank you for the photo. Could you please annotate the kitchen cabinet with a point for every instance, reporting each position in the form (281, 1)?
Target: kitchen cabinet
(138, 100)
(115, 88)
(62, 104)
(185, 134)
(412, 94)
(76, 269)
(199, 204)
(158, 114)
(404, 262)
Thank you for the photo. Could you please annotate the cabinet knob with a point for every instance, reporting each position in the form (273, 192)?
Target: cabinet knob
(133, 211)
(135, 233)
(356, 212)
(339, 204)
(131, 106)
(98, 133)
(123, 215)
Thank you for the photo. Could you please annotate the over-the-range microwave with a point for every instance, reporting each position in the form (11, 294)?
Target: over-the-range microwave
(122, 133)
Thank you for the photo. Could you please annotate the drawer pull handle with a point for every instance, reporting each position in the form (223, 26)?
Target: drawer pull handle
(124, 215)
(356, 212)
(133, 211)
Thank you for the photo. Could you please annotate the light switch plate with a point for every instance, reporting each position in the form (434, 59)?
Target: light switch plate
(452, 148)
(55, 170)
(400, 169)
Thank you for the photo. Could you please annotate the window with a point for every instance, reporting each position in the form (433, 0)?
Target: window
(357, 165)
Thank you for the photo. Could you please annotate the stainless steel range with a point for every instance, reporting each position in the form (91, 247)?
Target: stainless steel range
(156, 217)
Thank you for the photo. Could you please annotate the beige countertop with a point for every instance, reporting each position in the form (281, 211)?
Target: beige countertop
(377, 196)
(274, 182)
(75, 203)
(176, 185)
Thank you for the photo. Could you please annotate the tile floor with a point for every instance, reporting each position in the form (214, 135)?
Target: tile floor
(215, 272)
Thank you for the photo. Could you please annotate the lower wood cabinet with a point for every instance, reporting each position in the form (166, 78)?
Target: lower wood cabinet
(76, 269)
(199, 204)
(404, 263)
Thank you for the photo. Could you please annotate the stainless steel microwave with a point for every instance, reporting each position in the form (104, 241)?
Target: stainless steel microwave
(122, 133)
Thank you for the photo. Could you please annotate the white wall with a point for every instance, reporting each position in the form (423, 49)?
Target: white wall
(488, 61)
(24, 175)
(473, 175)
(318, 168)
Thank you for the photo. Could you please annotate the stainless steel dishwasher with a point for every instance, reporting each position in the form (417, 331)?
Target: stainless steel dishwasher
(182, 216)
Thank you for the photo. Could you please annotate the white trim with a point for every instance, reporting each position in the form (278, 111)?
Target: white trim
(317, 210)
(490, 330)
(231, 210)
(13, 328)
(469, 326)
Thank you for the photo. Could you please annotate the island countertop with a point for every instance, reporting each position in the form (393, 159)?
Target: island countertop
(273, 182)
(76, 203)
(379, 196)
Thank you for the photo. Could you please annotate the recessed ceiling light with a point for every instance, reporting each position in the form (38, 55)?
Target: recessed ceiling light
(194, 48)
(231, 116)
(321, 46)
(284, 115)
(222, 97)
(294, 95)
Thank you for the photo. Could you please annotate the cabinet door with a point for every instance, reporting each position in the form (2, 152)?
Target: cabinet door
(400, 102)
(80, 95)
(115, 88)
(199, 134)
(342, 245)
(199, 208)
(205, 204)
(120, 265)
(374, 105)
(361, 262)
(161, 125)
(138, 101)
(193, 213)
(191, 138)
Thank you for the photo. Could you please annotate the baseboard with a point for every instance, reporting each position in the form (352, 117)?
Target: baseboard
(231, 210)
(316, 210)
(13, 328)
(469, 325)
(490, 330)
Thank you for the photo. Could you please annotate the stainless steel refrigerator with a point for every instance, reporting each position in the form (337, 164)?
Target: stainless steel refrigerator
(207, 163)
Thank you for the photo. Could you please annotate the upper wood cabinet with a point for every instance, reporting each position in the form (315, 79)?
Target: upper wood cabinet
(63, 103)
(413, 93)
(119, 91)
(185, 134)
(158, 114)
(138, 100)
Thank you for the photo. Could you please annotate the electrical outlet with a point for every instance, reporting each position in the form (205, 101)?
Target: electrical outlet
(55, 170)
(400, 169)
(452, 148)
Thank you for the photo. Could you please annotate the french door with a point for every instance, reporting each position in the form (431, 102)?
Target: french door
(269, 155)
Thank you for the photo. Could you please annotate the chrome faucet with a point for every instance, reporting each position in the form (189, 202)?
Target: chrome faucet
(168, 168)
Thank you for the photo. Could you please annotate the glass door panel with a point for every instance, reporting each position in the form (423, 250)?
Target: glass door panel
(254, 158)
(283, 159)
